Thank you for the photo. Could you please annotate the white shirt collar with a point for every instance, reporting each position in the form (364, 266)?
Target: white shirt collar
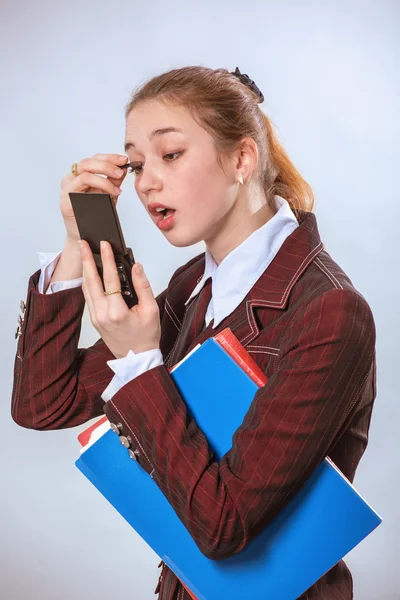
(234, 277)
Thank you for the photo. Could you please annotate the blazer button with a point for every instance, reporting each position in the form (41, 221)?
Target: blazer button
(134, 454)
(125, 440)
(18, 332)
(116, 427)
(22, 306)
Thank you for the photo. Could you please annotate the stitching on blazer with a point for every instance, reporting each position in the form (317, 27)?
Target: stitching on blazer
(256, 347)
(170, 312)
(171, 354)
(251, 320)
(313, 251)
(256, 350)
(328, 273)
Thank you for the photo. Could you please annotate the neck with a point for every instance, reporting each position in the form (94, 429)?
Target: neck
(248, 214)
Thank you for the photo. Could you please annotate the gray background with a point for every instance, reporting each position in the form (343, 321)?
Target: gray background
(329, 75)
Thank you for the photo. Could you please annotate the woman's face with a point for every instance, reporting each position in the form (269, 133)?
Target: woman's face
(179, 170)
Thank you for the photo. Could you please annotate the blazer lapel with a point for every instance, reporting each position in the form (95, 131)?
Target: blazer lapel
(192, 324)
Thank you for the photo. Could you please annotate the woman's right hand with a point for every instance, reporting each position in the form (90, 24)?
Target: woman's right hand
(89, 180)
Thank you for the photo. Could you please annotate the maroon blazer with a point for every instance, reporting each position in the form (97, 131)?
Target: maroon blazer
(310, 331)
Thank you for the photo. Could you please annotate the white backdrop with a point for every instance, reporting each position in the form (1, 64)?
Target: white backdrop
(329, 73)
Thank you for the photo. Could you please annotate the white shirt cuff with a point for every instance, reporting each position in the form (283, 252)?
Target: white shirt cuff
(130, 366)
(48, 263)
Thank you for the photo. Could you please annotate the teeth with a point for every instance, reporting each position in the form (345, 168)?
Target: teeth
(160, 209)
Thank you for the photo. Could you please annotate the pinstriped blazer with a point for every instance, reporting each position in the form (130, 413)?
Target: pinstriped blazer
(307, 327)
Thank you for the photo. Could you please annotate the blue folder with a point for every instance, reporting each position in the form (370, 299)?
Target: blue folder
(324, 521)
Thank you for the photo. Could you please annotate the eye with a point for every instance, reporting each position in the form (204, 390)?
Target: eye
(135, 167)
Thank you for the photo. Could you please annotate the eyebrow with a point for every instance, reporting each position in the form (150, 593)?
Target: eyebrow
(157, 132)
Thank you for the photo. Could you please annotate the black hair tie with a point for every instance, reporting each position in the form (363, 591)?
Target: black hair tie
(244, 78)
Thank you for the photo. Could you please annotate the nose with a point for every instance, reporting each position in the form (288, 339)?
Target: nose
(148, 180)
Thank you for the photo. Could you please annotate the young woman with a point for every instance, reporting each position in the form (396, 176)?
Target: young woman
(199, 145)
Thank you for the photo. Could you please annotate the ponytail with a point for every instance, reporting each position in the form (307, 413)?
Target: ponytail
(288, 182)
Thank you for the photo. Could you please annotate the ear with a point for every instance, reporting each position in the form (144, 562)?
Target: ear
(246, 159)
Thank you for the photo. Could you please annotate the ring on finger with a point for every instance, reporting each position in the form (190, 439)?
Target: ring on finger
(113, 292)
(74, 169)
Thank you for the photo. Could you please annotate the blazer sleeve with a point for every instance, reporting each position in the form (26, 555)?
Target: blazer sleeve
(293, 421)
(56, 384)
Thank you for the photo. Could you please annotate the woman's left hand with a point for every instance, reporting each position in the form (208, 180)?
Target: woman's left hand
(121, 328)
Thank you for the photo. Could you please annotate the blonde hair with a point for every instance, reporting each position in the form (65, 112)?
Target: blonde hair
(229, 111)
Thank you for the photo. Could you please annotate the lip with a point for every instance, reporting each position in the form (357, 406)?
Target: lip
(151, 207)
(167, 223)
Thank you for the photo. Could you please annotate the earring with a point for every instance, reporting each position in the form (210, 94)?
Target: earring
(240, 178)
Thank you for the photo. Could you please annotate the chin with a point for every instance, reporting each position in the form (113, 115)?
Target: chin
(181, 240)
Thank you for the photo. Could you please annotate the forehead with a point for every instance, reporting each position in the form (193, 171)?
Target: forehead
(151, 115)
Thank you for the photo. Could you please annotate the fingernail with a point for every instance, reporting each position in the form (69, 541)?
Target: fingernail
(139, 269)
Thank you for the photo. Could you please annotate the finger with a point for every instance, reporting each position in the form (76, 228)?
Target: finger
(117, 159)
(103, 164)
(110, 273)
(146, 299)
(118, 181)
(117, 307)
(110, 166)
(88, 298)
(89, 180)
(103, 167)
(85, 289)
(93, 282)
